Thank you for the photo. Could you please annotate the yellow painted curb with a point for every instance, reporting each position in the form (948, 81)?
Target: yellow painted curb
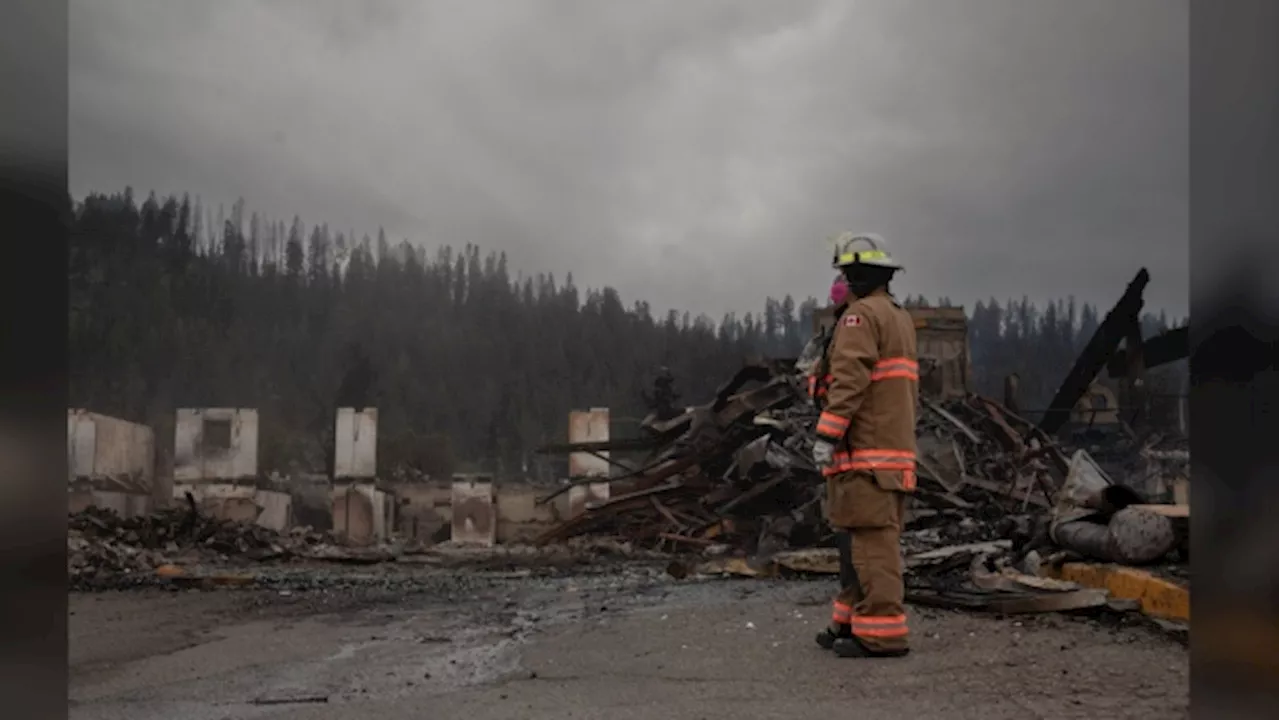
(1156, 596)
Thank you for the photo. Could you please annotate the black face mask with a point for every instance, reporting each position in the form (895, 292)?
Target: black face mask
(863, 281)
(861, 289)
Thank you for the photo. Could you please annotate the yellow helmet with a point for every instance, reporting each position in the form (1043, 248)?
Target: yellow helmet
(846, 251)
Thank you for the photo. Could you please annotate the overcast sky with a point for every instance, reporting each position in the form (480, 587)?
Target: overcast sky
(694, 153)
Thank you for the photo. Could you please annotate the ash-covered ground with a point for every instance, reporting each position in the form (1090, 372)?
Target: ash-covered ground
(621, 640)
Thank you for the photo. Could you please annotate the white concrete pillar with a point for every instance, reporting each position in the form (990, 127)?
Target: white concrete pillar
(588, 426)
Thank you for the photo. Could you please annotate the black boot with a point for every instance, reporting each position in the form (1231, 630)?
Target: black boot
(849, 647)
(827, 638)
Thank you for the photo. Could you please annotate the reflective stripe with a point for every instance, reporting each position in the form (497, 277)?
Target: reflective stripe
(818, 388)
(900, 367)
(832, 426)
(883, 460)
(876, 626)
(875, 459)
(861, 256)
(841, 613)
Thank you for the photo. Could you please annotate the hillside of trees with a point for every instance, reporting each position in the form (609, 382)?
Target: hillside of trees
(470, 363)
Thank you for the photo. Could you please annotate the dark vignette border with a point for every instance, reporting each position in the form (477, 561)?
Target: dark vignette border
(33, 195)
(1233, 362)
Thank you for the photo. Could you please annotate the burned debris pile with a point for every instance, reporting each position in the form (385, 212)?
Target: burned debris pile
(733, 471)
(734, 479)
(105, 550)
(736, 473)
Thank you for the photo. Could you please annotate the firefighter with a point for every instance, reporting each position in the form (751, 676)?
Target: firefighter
(865, 446)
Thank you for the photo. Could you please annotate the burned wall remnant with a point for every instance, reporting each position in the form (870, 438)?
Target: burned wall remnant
(588, 426)
(355, 443)
(942, 344)
(240, 503)
(215, 444)
(110, 453)
(475, 519)
(426, 511)
(110, 464)
(362, 514)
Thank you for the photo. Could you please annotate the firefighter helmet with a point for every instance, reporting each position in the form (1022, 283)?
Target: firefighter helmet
(851, 249)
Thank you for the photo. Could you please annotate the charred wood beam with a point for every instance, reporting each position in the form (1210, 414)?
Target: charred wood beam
(753, 372)
(1096, 354)
(1162, 349)
(1135, 380)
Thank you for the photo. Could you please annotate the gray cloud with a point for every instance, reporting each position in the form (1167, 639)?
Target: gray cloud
(693, 154)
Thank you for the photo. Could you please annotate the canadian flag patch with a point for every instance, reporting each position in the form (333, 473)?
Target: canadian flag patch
(853, 321)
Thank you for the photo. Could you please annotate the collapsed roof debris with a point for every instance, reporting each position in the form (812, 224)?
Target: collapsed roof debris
(733, 479)
(737, 470)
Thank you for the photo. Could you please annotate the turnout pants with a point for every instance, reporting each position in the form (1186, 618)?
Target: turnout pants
(871, 609)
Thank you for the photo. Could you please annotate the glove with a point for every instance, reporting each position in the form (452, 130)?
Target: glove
(822, 452)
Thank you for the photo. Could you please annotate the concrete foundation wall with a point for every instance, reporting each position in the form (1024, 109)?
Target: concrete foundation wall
(362, 513)
(312, 504)
(241, 503)
(426, 510)
(474, 512)
(277, 509)
(215, 444)
(114, 455)
(126, 505)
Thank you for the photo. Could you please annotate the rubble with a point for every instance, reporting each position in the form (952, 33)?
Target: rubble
(105, 550)
(731, 486)
(737, 471)
(184, 548)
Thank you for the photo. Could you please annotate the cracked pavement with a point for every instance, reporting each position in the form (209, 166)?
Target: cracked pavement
(625, 642)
